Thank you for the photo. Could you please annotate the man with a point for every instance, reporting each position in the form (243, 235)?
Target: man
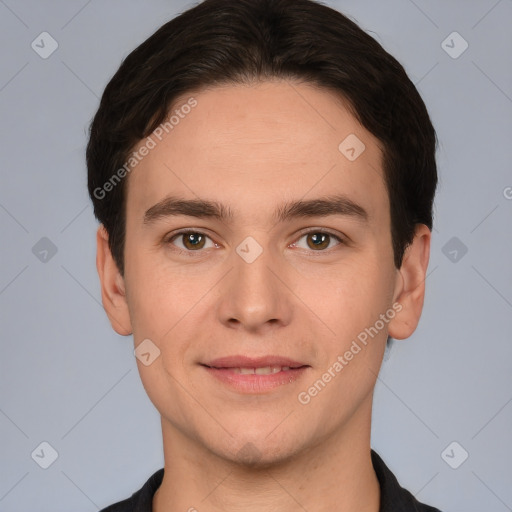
(264, 174)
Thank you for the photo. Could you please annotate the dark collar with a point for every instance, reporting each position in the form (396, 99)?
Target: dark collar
(393, 497)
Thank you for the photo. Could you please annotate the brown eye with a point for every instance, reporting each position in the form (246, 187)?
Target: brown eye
(190, 241)
(319, 241)
(193, 240)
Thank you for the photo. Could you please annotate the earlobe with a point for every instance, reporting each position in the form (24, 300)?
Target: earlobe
(410, 288)
(113, 291)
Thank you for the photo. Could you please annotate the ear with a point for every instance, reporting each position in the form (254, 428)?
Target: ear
(410, 284)
(113, 293)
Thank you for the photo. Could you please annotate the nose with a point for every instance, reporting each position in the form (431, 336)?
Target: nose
(254, 295)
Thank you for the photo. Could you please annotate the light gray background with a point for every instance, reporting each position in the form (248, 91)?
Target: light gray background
(69, 380)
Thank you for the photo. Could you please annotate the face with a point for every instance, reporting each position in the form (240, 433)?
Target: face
(257, 294)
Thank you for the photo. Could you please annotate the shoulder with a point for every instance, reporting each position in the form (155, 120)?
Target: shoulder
(395, 498)
(121, 506)
(141, 500)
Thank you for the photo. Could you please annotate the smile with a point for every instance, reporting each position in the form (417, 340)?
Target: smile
(255, 375)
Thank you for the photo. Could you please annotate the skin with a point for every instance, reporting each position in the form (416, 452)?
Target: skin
(253, 147)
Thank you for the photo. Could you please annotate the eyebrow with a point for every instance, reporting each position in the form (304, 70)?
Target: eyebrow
(203, 209)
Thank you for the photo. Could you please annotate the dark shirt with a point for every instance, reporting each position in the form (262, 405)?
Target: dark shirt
(393, 498)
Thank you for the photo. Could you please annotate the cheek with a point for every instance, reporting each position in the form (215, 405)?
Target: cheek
(159, 295)
(162, 302)
(173, 309)
(348, 298)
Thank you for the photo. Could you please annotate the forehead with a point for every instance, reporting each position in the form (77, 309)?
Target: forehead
(252, 146)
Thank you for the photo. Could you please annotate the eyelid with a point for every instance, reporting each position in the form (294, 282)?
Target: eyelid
(340, 236)
(169, 236)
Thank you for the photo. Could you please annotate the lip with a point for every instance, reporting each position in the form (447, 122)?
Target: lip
(224, 369)
(253, 362)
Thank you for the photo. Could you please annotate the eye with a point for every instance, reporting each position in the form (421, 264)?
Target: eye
(318, 240)
(191, 241)
(194, 241)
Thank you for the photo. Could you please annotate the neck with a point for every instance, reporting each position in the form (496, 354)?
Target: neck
(334, 474)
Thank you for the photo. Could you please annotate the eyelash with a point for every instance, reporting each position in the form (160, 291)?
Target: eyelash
(168, 240)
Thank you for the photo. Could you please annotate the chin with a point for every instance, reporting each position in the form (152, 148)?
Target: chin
(257, 453)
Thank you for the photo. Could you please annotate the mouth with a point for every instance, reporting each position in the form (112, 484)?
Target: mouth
(255, 375)
(262, 370)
